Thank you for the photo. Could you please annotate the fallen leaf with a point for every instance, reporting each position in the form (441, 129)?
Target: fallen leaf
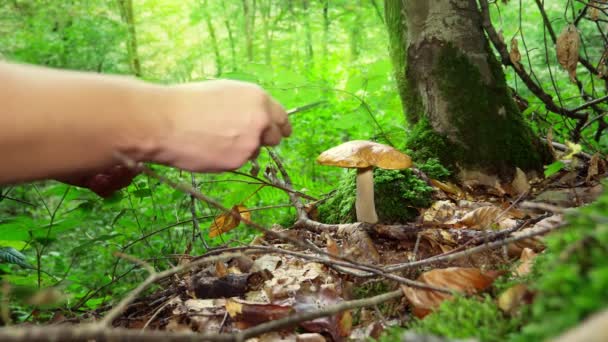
(520, 182)
(593, 169)
(255, 313)
(332, 247)
(460, 279)
(338, 325)
(514, 54)
(512, 298)
(220, 269)
(567, 46)
(226, 221)
(447, 187)
(527, 260)
(439, 212)
(481, 218)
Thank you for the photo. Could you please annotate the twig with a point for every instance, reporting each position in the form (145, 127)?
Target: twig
(590, 103)
(156, 312)
(326, 311)
(152, 278)
(278, 235)
(195, 227)
(523, 75)
(87, 332)
(533, 232)
(288, 184)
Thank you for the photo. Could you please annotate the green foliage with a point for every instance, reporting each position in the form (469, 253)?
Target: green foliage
(461, 318)
(433, 168)
(397, 194)
(572, 276)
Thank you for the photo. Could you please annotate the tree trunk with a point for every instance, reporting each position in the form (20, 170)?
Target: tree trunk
(126, 12)
(454, 91)
(214, 43)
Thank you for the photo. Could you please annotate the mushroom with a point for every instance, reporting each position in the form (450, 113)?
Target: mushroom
(364, 155)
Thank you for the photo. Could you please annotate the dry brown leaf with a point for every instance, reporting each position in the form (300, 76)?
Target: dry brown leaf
(520, 183)
(482, 218)
(594, 10)
(439, 212)
(459, 279)
(512, 298)
(514, 54)
(527, 260)
(567, 46)
(448, 187)
(220, 269)
(226, 221)
(332, 246)
(250, 313)
(593, 169)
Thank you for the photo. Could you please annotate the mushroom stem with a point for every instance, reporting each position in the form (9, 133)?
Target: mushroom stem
(364, 203)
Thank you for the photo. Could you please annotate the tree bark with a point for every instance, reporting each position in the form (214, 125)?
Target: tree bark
(454, 91)
(126, 12)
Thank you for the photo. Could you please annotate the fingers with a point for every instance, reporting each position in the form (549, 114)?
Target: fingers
(272, 135)
(279, 117)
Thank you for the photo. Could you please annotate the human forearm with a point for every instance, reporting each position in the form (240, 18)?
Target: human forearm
(56, 123)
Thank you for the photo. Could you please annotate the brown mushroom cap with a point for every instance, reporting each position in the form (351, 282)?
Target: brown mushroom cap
(363, 154)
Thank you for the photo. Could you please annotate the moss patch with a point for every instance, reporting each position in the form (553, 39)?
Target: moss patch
(397, 194)
(491, 133)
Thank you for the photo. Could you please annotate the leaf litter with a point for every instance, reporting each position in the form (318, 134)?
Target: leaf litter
(259, 288)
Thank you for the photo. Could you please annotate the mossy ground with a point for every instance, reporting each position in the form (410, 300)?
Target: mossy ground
(570, 279)
(397, 193)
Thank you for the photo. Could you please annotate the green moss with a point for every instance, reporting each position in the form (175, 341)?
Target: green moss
(461, 318)
(572, 276)
(491, 133)
(433, 168)
(397, 195)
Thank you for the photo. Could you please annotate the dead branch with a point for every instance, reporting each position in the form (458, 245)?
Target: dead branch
(87, 332)
(154, 277)
(487, 246)
(523, 75)
(347, 262)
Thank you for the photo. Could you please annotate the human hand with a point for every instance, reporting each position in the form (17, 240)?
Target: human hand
(105, 182)
(219, 125)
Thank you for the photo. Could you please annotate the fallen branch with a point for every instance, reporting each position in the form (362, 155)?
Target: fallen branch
(492, 245)
(87, 332)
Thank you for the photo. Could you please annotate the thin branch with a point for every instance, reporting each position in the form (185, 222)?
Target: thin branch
(86, 332)
(154, 277)
(523, 75)
(275, 234)
(493, 245)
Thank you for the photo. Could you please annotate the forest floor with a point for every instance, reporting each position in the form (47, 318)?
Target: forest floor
(328, 282)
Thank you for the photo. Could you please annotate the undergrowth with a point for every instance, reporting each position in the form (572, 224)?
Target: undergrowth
(570, 280)
(397, 193)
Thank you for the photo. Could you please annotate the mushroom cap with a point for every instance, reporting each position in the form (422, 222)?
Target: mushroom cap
(363, 154)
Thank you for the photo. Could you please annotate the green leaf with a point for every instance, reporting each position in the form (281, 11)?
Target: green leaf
(554, 168)
(13, 256)
(141, 193)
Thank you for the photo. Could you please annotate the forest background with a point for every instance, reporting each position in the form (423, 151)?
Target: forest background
(301, 51)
